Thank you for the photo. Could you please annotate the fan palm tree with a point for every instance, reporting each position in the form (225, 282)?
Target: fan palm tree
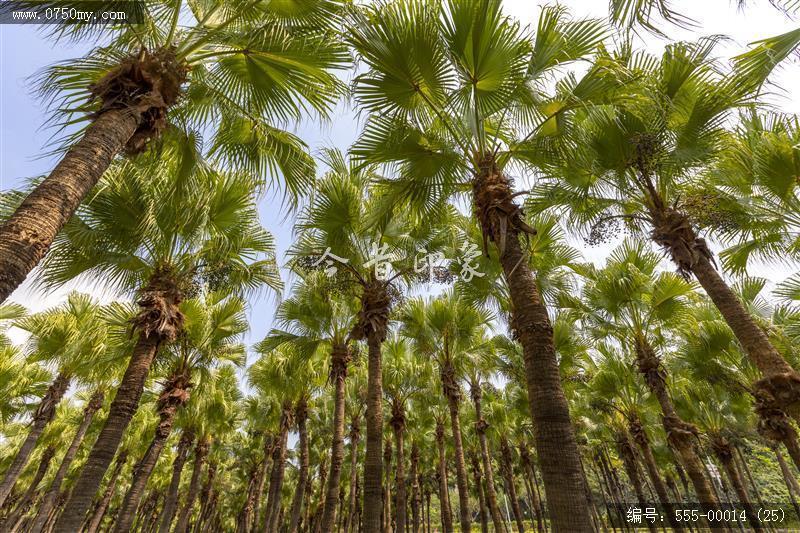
(405, 374)
(129, 237)
(628, 300)
(342, 233)
(212, 328)
(317, 321)
(636, 161)
(456, 93)
(448, 330)
(72, 337)
(232, 70)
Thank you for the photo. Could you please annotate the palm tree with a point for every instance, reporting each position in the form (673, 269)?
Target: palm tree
(206, 236)
(631, 302)
(228, 69)
(448, 330)
(636, 161)
(317, 321)
(212, 327)
(342, 233)
(404, 377)
(72, 337)
(456, 93)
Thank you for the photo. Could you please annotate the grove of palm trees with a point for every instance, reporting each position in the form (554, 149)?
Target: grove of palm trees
(552, 283)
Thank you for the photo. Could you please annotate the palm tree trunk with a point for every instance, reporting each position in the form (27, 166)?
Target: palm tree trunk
(200, 453)
(501, 222)
(680, 434)
(301, 415)
(398, 425)
(338, 373)
(452, 392)
(373, 462)
(483, 511)
(100, 509)
(205, 497)
(269, 447)
(43, 415)
(628, 456)
(27, 235)
(444, 495)
(511, 489)
(536, 505)
(278, 469)
(480, 428)
(788, 478)
(355, 433)
(387, 487)
(24, 503)
(50, 499)
(643, 442)
(724, 452)
(415, 488)
(171, 498)
(123, 407)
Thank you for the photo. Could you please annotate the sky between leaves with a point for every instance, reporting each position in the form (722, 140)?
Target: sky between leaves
(23, 51)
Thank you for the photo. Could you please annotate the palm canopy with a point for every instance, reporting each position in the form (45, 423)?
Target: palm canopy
(175, 213)
(243, 71)
(450, 84)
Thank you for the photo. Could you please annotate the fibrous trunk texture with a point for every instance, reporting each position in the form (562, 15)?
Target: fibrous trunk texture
(373, 320)
(173, 396)
(44, 413)
(452, 392)
(14, 520)
(272, 514)
(502, 223)
(102, 505)
(480, 428)
(355, 434)
(628, 456)
(159, 321)
(134, 97)
(724, 452)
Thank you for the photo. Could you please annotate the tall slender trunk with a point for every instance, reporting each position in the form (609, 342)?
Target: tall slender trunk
(173, 396)
(724, 452)
(641, 439)
(628, 456)
(452, 392)
(444, 493)
(122, 409)
(387, 486)
(200, 453)
(24, 503)
(415, 488)
(171, 497)
(373, 462)
(51, 498)
(340, 358)
(788, 478)
(744, 467)
(398, 423)
(269, 447)
(480, 428)
(205, 496)
(373, 321)
(536, 505)
(301, 415)
(483, 511)
(45, 412)
(355, 433)
(501, 222)
(99, 512)
(272, 514)
(511, 489)
(680, 434)
(323, 476)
